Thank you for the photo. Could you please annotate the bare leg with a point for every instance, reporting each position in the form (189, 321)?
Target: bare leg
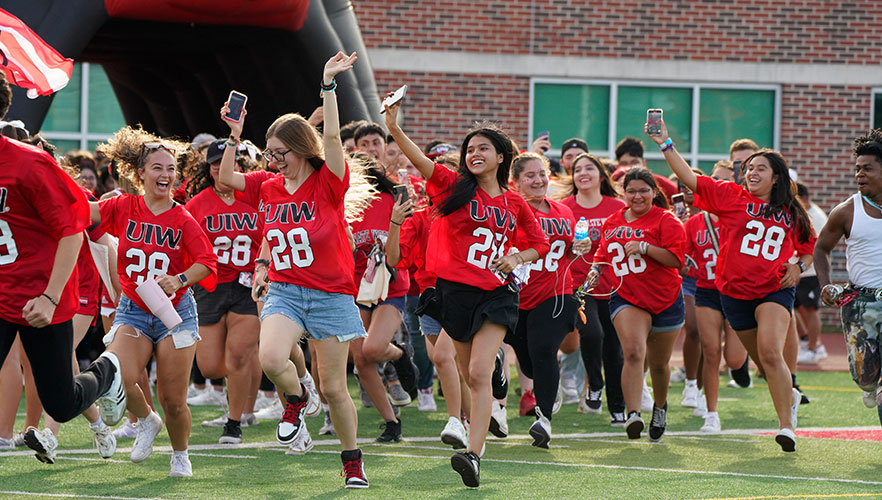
(172, 378)
(632, 325)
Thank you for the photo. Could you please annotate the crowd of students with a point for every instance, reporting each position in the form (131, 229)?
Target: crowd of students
(328, 245)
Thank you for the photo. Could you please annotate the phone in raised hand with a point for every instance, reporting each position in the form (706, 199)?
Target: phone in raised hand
(394, 99)
(236, 103)
(653, 121)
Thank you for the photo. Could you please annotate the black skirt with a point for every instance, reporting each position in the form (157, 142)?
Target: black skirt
(464, 308)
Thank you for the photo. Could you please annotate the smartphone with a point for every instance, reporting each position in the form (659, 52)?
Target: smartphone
(544, 134)
(653, 121)
(736, 167)
(401, 190)
(236, 103)
(679, 205)
(395, 98)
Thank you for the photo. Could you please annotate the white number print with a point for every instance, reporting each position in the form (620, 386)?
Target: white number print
(550, 262)
(772, 238)
(156, 264)
(7, 241)
(301, 253)
(237, 250)
(711, 263)
(623, 264)
(492, 241)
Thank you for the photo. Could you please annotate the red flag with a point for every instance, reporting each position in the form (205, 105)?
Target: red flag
(30, 62)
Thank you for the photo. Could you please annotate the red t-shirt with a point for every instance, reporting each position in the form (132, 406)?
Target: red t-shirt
(414, 241)
(464, 244)
(39, 205)
(233, 230)
(595, 217)
(90, 281)
(701, 249)
(375, 223)
(549, 275)
(306, 230)
(152, 245)
(753, 248)
(646, 283)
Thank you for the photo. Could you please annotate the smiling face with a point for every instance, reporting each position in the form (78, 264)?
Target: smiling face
(723, 174)
(87, 179)
(868, 174)
(638, 196)
(290, 163)
(372, 144)
(533, 181)
(586, 175)
(158, 174)
(759, 177)
(481, 156)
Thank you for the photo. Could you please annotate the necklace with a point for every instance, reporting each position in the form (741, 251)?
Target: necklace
(872, 204)
(227, 196)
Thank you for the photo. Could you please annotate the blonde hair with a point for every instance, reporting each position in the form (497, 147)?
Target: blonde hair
(520, 162)
(361, 192)
(126, 147)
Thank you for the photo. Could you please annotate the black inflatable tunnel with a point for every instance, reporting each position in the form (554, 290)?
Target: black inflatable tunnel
(172, 63)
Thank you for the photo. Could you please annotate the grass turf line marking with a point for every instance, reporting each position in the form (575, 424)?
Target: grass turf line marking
(97, 459)
(214, 455)
(830, 495)
(637, 468)
(71, 495)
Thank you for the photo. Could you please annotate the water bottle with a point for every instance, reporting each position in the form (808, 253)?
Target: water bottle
(581, 231)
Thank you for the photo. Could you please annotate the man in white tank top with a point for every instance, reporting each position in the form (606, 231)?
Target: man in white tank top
(859, 220)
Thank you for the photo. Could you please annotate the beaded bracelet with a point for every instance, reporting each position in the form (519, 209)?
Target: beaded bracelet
(666, 145)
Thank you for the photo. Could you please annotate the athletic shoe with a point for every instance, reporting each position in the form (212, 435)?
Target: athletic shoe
(570, 391)
(328, 428)
(407, 370)
(794, 408)
(263, 401)
(558, 401)
(711, 423)
(291, 424)
(301, 445)
(741, 378)
(104, 440)
(148, 428)
(540, 431)
(701, 409)
(397, 396)
(735, 385)
(426, 400)
(528, 404)
(803, 399)
(112, 404)
(591, 404)
(232, 434)
(43, 443)
(9, 444)
(247, 420)
(787, 439)
(498, 381)
(314, 405)
(18, 439)
(498, 420)
(454, 434)
(271, 412)
(646, 402)
(353, 472)
(678, 375)
(821, 352)
(127, 430)
(209, 397)
(690, 396)
(391, 432)
(658, 423)
(469, 467)
(217, 422)
(180, 465)
(634, 425)
(807, 356)
(617, 419)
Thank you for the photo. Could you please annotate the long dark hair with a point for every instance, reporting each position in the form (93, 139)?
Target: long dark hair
(644, 174)
(783, 195)
(201, 175)
(467, 184)
(375, 173)
(606, 185)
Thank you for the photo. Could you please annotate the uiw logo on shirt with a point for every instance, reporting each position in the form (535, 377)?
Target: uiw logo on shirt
(287, 213)
(623, 232)
(555, 226)
(155, 234)
(500, 218)
(3, 207)
(758, 211)
(231, 222)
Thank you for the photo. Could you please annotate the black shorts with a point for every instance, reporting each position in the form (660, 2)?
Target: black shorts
(808, 292)
(428, 305)
(464, 308)
(708, 297)
(741, 313)
(227, 297)
(554, 317)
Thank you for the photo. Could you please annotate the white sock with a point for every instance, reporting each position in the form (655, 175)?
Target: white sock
(97, 425)
(182, 453)
(711, 413)
(691, 383)
(306, 378)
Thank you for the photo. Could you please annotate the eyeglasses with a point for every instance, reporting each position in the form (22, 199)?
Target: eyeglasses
(635, 192)
(149, 146)
(273, 156)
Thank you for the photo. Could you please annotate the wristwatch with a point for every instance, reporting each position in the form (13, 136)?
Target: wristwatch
(183, 278)
(802, 266)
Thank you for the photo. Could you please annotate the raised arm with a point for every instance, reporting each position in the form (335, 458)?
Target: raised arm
(334, 155)
(227, 175)
(675, 161)
(410, 150)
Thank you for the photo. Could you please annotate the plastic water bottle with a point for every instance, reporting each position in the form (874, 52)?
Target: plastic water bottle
(581, 231)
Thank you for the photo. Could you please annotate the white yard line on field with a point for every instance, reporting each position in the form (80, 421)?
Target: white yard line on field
(70, 495)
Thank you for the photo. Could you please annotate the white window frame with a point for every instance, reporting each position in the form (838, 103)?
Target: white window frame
(873, 94)
(692, 156)
(83, 136)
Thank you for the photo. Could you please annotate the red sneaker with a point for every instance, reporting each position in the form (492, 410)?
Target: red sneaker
(528, 404)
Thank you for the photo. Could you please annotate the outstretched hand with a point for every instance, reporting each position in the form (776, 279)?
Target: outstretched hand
(235, 127)
(337, 64)
(661, 137)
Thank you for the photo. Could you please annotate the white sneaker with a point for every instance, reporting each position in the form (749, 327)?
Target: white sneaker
(18, 439)
(787, 439)
(247, 420)
(112, 404)
(592, 403)
(104, 440)
(540, 431)
(126, 431)
(690, 396)
(43, 443)
(646, 402)
(314, 405)
(454, 434)
(426, 400)
(217, 422)
(499, 420)
(301, 445)
(678, 375)
(193, 391)
(180, 465)
(558, 401)
(807, 357)
(700, 409)
(568, 386)
(711, 423)
(262, 401)
(9, 444)
(794, 408)
(148, 428)
(821, 351)
(209, 397)
(271, 412)
(328, 427)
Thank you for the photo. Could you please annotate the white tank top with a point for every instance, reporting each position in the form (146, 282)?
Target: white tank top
(864, 247)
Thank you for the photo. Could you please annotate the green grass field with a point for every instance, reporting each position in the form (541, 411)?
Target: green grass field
(587, 459)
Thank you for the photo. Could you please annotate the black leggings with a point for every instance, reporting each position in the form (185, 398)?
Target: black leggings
(536, 341)
(600, 344)
(50, 351)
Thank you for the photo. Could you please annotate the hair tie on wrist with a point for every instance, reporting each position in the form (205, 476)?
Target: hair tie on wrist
(50, 299)
(396, 223)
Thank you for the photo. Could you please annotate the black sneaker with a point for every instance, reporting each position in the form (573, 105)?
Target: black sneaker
(469, 467)
(617, 419)
(391, 432)
(407, 370)
(634, 425)
(353, 469)
(499, 382)
(232, 433)
(804, 400)
(658, 423)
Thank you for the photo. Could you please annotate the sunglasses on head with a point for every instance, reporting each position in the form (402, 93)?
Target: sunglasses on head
(151, 146)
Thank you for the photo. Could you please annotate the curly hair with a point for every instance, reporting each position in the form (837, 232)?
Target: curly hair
(870, 144)
(126, 148)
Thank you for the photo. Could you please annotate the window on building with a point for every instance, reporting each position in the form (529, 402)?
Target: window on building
(84, 113)
(703, 119)
(876, 108)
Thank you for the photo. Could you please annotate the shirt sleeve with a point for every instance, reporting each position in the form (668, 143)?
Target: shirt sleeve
(408, 242)
(601, 254)
(715, 196)
(199, 251)
(336, 187)
(673, 236)
(112, 210)
(438, 186)
(58, 200)
(529, 234)
(253, 181)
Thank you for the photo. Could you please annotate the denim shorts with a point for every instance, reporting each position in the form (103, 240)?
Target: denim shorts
(429, 325)
(669, 320)
(742, 313)
(689, 285)
(321, 314)
(708, 297)
(129, 314)
(397, 302)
